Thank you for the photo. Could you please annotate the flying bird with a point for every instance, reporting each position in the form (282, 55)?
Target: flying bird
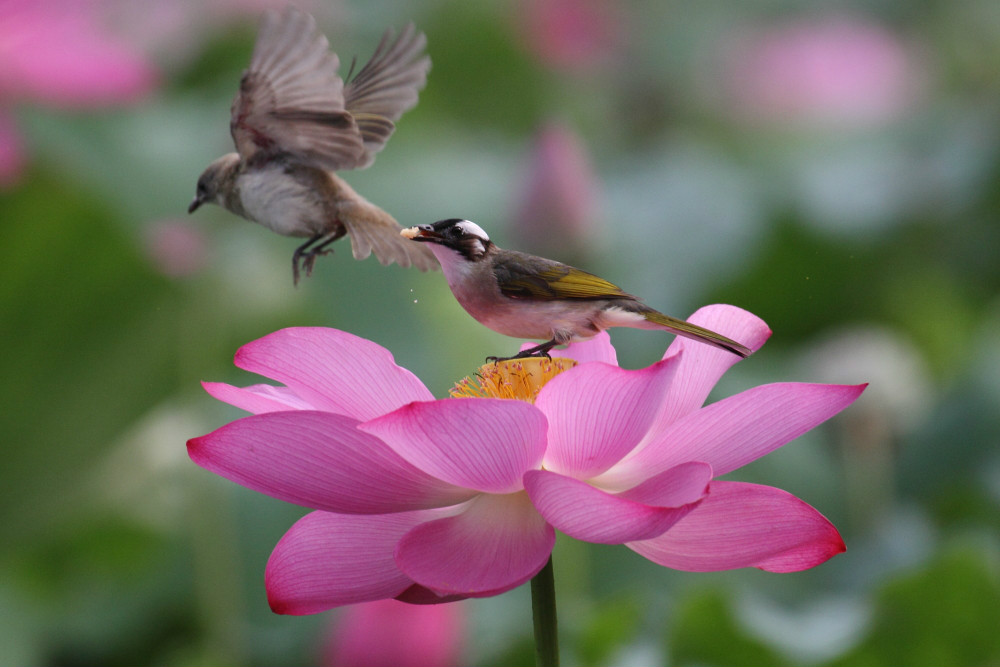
(295, 122)
(525, 296)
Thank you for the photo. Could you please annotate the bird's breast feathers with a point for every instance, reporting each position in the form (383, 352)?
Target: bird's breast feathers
(282, 202)
(529, 319)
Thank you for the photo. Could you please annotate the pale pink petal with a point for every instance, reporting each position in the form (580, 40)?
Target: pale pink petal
(498, 543)
(319, 460)
(326, 560)
(680, 485)
(598, 413)
(257, 398)
(333, 370)
(598, 348)
(479, 443)
(702, 365)
(592, 515)
(745, 525)
(738, 429)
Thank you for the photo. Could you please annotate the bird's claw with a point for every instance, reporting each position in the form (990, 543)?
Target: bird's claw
(523, 354)
(309, 259)
(307, 253)
(305, 261)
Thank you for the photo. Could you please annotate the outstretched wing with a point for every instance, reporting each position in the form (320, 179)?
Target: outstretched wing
(386, 87)
(524, 276)
(291, 101)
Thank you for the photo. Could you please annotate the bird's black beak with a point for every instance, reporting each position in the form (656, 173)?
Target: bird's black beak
(423, 233)
(195, 203)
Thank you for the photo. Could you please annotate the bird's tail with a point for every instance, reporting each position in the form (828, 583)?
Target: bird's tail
(695, 332)
(373, 230)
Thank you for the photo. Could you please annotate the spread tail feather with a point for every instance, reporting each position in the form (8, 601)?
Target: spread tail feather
(695, 332)
(378, 232)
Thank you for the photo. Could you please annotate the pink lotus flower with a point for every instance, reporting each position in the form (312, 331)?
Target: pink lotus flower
(840, 71)
(571, 34)
(434, 500)
(558, 197)
(56, 53)
(388, 633)
(176, 248)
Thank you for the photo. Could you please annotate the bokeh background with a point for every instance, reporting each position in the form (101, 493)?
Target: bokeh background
(831, 167)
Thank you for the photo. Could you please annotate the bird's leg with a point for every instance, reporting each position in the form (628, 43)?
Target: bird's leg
(541, 350)
(297, 256)
(305, 256)
(319, 250)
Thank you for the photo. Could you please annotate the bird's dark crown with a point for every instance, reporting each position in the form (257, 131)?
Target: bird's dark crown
(463, 236)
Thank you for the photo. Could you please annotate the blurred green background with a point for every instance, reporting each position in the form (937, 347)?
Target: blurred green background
(832, 169)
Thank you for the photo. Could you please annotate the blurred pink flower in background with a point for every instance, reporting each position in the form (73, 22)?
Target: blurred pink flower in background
(838, 70)
(571, 34)
(389, 633)
(557, 202)
(176, 248)
(432, 500)
(11, 151)
(57, 53)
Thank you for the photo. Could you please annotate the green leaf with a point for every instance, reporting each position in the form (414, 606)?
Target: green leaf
(614, 624)
(480, 76)
(705, 633)
(946, 614)
(86, 345)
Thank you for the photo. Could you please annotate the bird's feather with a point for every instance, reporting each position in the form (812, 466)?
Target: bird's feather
(522, 276)
(292, 104)
(291, 101)
(387, 86)
(695, 332)
(374, 230)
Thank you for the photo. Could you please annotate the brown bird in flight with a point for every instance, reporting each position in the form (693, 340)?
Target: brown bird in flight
(295, 123)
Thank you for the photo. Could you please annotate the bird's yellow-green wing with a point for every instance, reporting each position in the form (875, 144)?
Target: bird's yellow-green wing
(524, 276)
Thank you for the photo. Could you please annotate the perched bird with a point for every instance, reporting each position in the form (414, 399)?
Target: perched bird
(295, 122)
(525, 296)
